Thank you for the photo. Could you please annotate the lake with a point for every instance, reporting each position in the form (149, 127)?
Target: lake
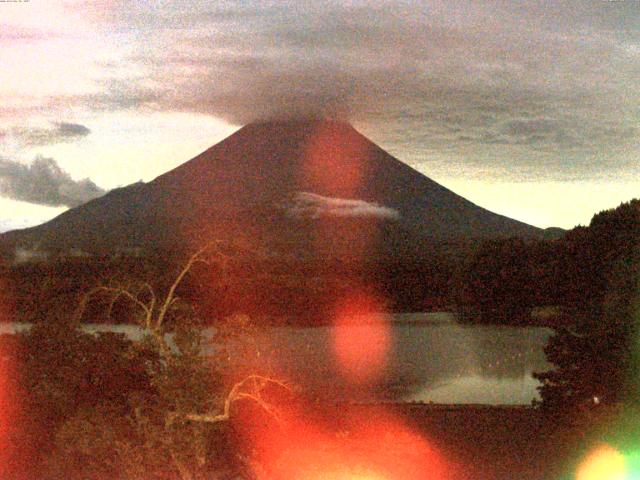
(431, 358)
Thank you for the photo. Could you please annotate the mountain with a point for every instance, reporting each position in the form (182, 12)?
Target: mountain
(308, 189)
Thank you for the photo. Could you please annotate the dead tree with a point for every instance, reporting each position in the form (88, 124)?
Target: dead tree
(152, 312)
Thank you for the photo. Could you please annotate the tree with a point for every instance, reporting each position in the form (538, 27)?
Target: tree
(60, 370)
(172, 428)
(498, 281)
(594, 352)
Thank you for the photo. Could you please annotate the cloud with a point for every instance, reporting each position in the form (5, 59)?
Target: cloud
(44, 182)
(453, 88)
(11, 34)
(528, 84)
(249, 60)
(25, 255)
(7, 224)
(59, 132)
(65, 129)
(124, 94)
(312, 205)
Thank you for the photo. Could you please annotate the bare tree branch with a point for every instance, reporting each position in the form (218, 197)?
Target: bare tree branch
(259, 384)
(169, 299)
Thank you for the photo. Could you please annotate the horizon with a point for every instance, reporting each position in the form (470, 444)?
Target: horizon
(276, 120)
(524, 110)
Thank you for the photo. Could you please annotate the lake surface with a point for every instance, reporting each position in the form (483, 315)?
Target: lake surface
(431, 358)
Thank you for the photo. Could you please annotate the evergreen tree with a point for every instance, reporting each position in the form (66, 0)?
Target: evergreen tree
(594, 352)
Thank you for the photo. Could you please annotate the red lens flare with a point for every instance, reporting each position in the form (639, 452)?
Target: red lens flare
(361, 338)
(335, 166)
(371, 445)
(335, 161)
(8, 387)
(8, 408)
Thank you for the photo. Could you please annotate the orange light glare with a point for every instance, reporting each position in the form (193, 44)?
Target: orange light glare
(603, 463)
(375, 447)
(8, 385)
(335, 161)
(341, 475)
(8, 408)
(361, 338)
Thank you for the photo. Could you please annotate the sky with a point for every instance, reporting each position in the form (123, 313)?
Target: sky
(530, 109)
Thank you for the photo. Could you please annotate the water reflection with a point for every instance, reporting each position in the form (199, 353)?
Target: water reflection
(431, 358)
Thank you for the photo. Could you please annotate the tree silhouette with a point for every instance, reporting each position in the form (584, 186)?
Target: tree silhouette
(594, 353)
(107, 406)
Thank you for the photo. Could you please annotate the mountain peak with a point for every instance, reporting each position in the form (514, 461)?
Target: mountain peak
(289, 130)
(242, 186)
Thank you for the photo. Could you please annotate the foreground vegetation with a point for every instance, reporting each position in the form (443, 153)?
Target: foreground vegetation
(82, 406)
(103, 406)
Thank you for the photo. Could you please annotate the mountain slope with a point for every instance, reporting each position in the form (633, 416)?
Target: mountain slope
(309, 188)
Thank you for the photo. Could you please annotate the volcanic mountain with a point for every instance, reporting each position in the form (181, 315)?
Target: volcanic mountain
(308, 189)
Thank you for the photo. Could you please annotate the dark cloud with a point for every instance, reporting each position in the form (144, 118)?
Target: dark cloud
(44, 182)
(124, 94)
(65, 129)
(522, 83)
(59, 132)
(527, 127)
